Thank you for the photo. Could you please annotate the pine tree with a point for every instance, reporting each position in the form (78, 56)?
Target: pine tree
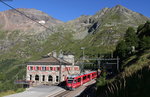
(145, 43)
(131, 39)
(144, 36)
(144, 31)
(127, 46)
(121, 49)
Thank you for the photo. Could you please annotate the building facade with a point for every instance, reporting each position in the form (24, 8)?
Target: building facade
(50, 70)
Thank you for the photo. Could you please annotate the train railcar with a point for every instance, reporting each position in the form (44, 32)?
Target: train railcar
(74, 81)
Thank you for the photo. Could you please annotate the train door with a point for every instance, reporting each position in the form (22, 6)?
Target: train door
(89, 78)
(79, 82)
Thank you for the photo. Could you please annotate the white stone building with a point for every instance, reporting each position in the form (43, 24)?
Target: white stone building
(48, 70)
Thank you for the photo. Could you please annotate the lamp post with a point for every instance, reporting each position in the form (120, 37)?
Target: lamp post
(82, 48)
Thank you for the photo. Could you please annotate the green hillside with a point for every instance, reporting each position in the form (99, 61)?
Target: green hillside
(133, 81)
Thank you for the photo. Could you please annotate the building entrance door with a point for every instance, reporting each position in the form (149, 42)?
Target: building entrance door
(37, 77)
(50, 78)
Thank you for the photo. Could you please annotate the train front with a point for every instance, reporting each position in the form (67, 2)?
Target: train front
(69, 83)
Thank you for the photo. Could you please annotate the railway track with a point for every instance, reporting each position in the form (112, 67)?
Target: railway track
(77, 92)
(63, 94)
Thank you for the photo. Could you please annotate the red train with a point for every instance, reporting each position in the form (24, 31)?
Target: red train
(74, 81)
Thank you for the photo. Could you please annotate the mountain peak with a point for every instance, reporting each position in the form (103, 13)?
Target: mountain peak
(120, 8)
(12, 20)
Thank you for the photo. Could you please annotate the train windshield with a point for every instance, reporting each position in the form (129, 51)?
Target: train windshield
(70, 81)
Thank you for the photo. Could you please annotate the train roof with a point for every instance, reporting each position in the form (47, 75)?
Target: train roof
(75, 75)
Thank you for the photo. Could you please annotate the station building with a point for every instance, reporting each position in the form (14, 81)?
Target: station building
(51, 70)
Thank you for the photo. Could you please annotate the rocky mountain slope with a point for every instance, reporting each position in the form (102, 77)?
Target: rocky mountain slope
(115, 19)
(104, 29)
(16, 28)
(12, 20)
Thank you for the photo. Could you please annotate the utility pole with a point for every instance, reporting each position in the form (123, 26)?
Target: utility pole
(99, 62)
(60, 67)
(83, 58)
(118, 64)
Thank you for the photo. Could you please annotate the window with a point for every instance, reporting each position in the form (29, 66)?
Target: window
(31, 68)
(30, 77)
(76, 68)
(47, 68)
(75, 81)
(70, 81)
(79, 79)
(88, 76)
(51, 68)
(28, 67)
(39, 68)
(50, 78)
(84, 77)
(58, 68)
(36, 68)
(43, 68)
(57, 78)
(54, 68)
(43, 78)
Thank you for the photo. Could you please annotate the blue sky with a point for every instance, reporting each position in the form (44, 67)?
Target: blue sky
(66, 10)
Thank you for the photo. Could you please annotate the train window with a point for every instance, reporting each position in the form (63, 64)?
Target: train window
(75, 81)
(70, 81)
(84, 77)
(88, 76)
(92, 74)
(70, 78)
(79, 79)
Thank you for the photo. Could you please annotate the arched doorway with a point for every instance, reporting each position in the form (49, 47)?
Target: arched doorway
(37, 77)
(50, 78)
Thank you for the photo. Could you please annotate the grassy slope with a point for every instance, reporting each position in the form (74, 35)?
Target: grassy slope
(32, 49)
(133, 81)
